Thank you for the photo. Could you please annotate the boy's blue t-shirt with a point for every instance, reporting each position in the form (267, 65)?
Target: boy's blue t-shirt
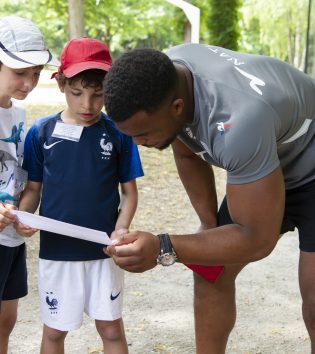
(80, 182)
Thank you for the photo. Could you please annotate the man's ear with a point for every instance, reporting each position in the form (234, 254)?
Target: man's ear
(177, 106)
(60, 84)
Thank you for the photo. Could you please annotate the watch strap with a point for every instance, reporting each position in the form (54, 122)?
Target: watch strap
(165, 244)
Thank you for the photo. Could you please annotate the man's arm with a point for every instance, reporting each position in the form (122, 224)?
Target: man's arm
(257, 211)
(198, 179)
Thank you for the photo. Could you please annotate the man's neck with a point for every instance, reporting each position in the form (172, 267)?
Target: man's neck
(186, 91)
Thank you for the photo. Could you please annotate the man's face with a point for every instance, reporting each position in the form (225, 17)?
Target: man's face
(158, 129)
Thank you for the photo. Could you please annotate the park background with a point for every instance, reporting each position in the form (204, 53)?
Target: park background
(158, 310)
(280, 28)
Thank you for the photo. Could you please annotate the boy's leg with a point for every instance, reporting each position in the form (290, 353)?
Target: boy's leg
(52, 341)
(8, 316)
(113, 337)
(61, 293)
(104, 287)
(13, 285)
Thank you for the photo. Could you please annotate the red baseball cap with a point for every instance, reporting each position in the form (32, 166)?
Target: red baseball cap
(82, 54)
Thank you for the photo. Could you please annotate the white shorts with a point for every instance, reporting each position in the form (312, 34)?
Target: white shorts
(68, 289)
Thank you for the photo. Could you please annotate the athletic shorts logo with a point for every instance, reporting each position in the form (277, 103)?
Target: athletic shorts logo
(47, 147)
(52, 302)
(114, 297)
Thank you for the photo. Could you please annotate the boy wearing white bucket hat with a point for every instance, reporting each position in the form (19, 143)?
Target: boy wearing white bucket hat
(23, 55)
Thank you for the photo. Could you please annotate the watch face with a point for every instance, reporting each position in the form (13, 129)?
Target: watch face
(167, 259)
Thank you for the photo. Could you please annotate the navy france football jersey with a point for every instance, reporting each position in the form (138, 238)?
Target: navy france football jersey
(80, 181)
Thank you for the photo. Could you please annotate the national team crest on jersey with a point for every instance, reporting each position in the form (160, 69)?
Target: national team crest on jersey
(107, 148)
(52, 302)
(222, 127)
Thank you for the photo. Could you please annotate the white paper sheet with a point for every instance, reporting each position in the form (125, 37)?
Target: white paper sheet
(63, 228)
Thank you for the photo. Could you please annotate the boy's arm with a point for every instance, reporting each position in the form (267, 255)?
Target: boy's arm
(29, 202)
(30, 197)
(128, 205)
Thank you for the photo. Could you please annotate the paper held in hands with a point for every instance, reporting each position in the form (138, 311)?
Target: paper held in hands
(62, 228)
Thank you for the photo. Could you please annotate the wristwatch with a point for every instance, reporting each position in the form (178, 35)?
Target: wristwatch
(167, 254)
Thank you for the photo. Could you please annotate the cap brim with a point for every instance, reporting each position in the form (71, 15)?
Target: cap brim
(19, 60)
(79, 67)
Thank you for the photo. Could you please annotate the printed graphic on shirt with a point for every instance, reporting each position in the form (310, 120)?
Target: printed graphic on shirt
(189, 133)
(222, 127)
(254, 81)
(15, 137)
(10, 186)
(107, 147)
(5, 156)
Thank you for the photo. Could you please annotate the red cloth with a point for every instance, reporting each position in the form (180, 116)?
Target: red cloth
(210, 273)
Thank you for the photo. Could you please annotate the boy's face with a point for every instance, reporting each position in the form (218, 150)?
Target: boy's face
(84, 103)
(18, 83)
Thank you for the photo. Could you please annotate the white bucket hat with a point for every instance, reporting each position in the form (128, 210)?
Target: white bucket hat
(22, 44)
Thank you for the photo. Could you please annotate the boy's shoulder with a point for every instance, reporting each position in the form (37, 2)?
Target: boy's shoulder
(111, 126)
(105, 117)
(46, 119)
(18, 106)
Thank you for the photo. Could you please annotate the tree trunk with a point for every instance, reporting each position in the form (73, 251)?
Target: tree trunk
(76, 18)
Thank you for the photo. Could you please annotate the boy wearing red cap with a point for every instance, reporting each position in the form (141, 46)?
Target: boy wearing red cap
(23, 55)
(76, 161)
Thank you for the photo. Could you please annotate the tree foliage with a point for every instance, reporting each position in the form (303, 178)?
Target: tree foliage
(122, 24)
(276, 28)
(223, 23)
(270, 27)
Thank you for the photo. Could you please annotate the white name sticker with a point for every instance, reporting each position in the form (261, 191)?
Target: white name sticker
(67, 131)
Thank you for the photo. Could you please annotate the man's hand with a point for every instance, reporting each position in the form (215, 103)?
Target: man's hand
(135, 251)
(6, 216)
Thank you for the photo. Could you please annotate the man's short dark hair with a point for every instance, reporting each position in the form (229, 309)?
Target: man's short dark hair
(140, 79)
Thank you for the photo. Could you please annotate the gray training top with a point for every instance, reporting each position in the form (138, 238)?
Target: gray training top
(252, 113)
